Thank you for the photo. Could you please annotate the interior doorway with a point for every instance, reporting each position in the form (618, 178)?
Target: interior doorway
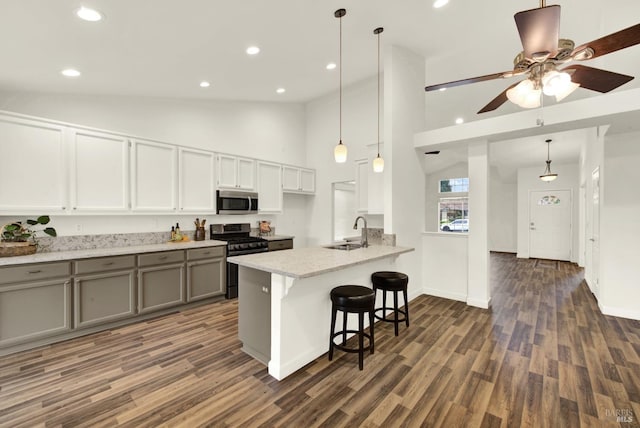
(344, 209)
(595, 233)
(550, 224)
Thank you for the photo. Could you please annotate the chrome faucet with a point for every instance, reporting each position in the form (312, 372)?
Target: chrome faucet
(365, 242)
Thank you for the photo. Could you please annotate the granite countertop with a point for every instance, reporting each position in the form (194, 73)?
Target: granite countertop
(312, 261)
(55, 256)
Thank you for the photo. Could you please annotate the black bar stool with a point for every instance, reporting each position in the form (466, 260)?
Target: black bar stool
(352, 299)
(395, 282)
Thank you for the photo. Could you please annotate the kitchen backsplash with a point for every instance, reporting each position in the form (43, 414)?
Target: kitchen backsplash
(87, 242)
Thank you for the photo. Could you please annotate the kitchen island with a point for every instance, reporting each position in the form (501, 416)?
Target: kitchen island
(284, 305)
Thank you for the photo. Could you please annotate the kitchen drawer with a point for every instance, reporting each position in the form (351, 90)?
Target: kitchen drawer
(206, 253)
(160, 258)
(34, 272)
(105, 263)
(284, 244)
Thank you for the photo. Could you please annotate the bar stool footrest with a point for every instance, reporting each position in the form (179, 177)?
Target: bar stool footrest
(401, 311)
(355, 350)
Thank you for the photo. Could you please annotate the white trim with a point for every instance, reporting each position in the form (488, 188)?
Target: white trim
(620, 312)
(445, 294)
(479, 303)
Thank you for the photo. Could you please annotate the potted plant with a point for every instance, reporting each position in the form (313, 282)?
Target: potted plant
(19, 239)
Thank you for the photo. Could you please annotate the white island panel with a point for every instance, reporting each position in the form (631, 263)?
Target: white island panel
(300, 284)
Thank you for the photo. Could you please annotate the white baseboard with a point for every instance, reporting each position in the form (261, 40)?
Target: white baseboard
(620, 312)
(504, 250)
(446, 294)
(479, 303)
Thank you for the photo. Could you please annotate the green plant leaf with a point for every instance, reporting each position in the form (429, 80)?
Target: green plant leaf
(11, 227)
(43, 219)
(32, 222)
(50, 231)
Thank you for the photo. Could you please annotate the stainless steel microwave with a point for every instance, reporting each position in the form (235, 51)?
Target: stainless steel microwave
(235, 202)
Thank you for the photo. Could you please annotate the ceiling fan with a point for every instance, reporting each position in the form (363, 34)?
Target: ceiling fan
(544, 52)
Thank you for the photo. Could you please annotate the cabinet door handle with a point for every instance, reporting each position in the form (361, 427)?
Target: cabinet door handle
(107, 264)
(162, 258)
(34, 271)
(206, 253)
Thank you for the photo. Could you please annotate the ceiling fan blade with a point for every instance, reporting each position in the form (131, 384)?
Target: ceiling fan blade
(497, 101)
(597, 79)
(613, 42)
(539, 30)
(470, 80)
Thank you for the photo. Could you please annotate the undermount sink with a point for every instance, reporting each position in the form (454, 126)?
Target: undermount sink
(345, 247)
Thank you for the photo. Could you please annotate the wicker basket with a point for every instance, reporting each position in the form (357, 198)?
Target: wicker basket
(8, 249)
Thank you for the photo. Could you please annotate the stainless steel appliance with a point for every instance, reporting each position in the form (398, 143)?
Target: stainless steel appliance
(238, 243)
(235, 202)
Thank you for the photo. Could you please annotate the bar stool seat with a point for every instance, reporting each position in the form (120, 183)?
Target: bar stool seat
(352, 299)
(394, 282)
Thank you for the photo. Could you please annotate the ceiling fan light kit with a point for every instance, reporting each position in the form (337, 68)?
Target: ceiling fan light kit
(543, 51)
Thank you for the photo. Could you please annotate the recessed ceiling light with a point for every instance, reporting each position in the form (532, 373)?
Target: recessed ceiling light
(253, 50)
(459, 121)
(331, 66)
(281, 90)
(442, 89)
(204, 84)
(88, 14)
(439, 3)
(70, 72)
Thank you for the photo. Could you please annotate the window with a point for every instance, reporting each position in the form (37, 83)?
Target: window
(454, 185)
(453, 214)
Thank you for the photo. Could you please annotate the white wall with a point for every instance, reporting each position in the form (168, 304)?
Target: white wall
(503, 214)
(270, 131)
(404, 183)
(529, 179)
(620, 227)
(359, 128)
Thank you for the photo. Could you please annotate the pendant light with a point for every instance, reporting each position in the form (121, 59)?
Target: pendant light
(378, 162)
(340, 151)
(548, 176)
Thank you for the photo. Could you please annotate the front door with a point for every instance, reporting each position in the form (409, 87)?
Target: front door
(550, 224)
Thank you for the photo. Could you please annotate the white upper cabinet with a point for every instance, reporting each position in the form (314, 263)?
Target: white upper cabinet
(298, 180)
(197, 181)
(99, 172)
(33, 178)
(269, 187)
(153, 176)
(236, 173)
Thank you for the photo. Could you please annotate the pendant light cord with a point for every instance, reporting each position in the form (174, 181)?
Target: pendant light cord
(378, 94)
(340, 60)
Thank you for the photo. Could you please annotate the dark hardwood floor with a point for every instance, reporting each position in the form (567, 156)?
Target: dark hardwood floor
(543, 356)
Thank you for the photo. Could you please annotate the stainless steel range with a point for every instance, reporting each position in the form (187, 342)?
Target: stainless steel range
(238, 243)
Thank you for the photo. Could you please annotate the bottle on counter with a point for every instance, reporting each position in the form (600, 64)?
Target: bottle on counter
(173, 233)
(178, 236)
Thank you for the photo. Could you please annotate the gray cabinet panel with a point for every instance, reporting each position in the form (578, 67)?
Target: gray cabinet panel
(283, 244)
(34, 311)
(206, 279)
(206, 253)
(104, 297)
(104, 264)
(161, 258)
(160, 287)
(254, 313)
(34, 272)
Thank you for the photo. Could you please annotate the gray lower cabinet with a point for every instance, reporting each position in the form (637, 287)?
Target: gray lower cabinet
(160, 280)
(254, 313)
(104, 290)
(35, 302)
(281, 244)
(206, 273)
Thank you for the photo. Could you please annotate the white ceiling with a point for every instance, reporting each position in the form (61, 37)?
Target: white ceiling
(164, 48)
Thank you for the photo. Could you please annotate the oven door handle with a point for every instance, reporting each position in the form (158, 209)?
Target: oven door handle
(249, 199)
